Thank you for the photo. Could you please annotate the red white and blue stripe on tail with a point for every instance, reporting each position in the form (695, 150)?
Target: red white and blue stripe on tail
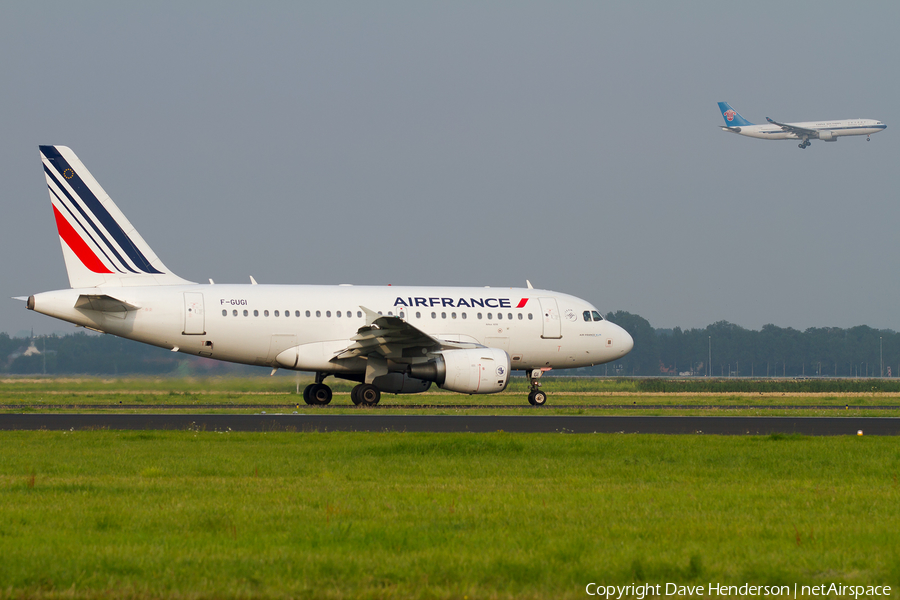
(100, 246)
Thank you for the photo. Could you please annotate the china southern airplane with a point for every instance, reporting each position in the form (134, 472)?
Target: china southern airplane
(827, 131)
(389, 339)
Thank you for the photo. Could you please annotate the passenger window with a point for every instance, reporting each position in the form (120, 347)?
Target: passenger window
(349, 314)
(224, 313)
(587, 315)
(307, 314)
(530, 316)
(464, 315)
(276, 313)
(402, 314)
(265, 313)
(234, 312)
(489, 316)
(499, 316)
(597, 316)
(255, 313)
(509, 316)
(328, 313)
(338, 314)
(287, 313)
(434, 315)
(443, 315)
(359, 314)
(318, 313)
(418, 315)
(246, 313)
(479, 316)
(520, 316)
(452, 315)
(297, 313)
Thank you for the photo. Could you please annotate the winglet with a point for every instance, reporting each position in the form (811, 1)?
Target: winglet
(371, 315)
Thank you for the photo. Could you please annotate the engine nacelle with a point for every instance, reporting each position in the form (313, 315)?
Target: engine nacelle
(827, 136)
(470, 371)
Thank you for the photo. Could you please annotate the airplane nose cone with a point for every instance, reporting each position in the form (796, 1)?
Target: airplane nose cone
(626, 342)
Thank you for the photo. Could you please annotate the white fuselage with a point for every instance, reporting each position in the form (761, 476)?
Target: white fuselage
(254, 324)
(837, 129)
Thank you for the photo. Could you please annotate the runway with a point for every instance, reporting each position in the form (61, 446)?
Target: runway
(716, 425)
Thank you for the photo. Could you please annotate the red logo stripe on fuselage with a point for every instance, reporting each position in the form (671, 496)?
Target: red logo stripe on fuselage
(521, 303)
(77, 245)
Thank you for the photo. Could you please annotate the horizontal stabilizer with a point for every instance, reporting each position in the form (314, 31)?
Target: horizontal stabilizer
(103, 303)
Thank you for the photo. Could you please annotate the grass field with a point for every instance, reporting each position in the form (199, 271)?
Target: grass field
(566, 396)
(342, 515)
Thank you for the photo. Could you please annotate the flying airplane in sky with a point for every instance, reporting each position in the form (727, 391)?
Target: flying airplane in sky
(827, 131)
(388, 339)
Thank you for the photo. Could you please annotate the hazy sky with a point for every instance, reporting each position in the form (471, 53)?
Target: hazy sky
(573, 144)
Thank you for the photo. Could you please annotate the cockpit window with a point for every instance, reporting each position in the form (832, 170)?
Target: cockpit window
(587, 316)
(596, 316)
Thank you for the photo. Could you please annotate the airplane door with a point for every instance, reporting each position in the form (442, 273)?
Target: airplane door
(550, 316)
(194, 318)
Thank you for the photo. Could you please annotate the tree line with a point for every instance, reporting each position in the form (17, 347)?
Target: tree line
(722, 349)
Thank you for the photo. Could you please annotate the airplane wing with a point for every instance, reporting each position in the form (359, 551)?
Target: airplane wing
(800, 131)
(392, 337)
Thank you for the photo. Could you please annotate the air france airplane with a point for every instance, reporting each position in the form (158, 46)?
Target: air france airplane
(827, 131)
(388, 339)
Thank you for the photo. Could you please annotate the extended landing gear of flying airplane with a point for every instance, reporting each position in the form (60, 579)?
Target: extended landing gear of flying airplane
(803, 145)
(317, 394)
(365, 394)
(536, 397)
(868, 139)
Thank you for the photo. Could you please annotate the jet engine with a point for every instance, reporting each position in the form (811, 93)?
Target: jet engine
(827, 136)
(469, 371)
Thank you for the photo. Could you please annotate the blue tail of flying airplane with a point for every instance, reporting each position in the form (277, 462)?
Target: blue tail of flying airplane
(731, 116)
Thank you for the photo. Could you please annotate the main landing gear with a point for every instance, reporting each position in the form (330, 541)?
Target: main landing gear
(319, 394)
(365, 394)
(536, 397)
(803, 144)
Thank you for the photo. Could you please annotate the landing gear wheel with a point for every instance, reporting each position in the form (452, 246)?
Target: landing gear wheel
(306, 391)
(354, 395)
(319, 394)
(537, 398)
(366, 394)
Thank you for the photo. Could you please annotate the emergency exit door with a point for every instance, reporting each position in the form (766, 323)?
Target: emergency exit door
(551, 320)
(194, 319)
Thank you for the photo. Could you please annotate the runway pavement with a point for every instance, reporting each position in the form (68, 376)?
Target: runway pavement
(718, 425)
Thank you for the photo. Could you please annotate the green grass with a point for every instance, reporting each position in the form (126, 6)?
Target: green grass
(342, 515)
(279, 394)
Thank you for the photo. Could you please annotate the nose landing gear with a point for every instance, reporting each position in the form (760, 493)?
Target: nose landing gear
(536, 397)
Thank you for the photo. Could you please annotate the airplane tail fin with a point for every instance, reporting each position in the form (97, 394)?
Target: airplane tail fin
(732, 117)
(101, 248)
